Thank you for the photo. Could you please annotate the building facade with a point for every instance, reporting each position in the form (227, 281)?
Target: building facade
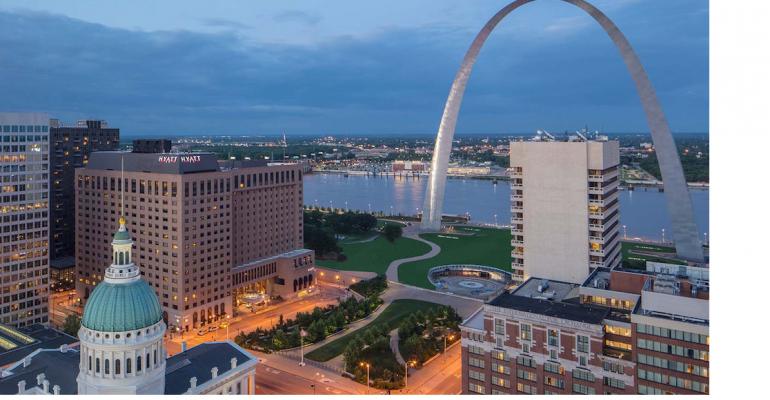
(564, 208)
(532, 341)
(619, 332)
(24, 213)
(196, 222)
(71, 146)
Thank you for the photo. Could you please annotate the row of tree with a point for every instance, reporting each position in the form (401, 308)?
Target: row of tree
(318, 324)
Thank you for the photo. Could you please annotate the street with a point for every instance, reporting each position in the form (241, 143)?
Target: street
(248, 321)
(440, 376)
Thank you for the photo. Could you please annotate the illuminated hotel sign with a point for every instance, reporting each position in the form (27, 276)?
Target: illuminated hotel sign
(174, 159)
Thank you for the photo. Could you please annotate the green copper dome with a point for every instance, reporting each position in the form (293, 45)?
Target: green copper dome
(122, 307)
(121, 235)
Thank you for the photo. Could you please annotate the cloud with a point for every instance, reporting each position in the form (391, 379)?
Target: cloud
(297, 17)
(395, 81)
(224, 23)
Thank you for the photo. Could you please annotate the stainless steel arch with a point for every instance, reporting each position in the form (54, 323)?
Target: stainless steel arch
(685, 232)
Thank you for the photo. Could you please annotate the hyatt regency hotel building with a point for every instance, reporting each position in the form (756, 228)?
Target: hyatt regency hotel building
(205, 231)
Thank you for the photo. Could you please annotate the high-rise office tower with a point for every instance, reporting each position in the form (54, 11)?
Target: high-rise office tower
(70, 148)
(24, 168)
(564, 208)
(204, 230)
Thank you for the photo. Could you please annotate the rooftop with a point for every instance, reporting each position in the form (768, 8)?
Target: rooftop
(15, 344)
(198, 361)
(550, 298)
(61, 367)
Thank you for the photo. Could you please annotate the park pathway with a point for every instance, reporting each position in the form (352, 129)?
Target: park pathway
(411, 232)
(394, 346)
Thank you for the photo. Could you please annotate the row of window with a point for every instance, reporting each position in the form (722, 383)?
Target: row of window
(672, 365)
(26, 128)
(673, 349)
(673, 381)
(672, 334)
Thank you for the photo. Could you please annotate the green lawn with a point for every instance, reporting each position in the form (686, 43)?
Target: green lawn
(638, 261)
(375, 256)
(391, 317)
(487, 246)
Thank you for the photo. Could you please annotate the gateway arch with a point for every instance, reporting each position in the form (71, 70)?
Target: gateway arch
(685, 232)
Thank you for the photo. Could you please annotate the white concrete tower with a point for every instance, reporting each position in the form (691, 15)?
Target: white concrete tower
(121, 334)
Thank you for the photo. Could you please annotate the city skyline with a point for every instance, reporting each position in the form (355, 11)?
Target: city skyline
(249, 198)
(198, 69)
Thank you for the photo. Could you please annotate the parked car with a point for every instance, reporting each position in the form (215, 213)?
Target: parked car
(202, 332)
(212, 328)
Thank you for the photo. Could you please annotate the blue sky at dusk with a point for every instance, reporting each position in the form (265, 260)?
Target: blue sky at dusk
(347, 67)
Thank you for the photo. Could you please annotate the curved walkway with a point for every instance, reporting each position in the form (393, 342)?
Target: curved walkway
(392, 272)
(394, 346)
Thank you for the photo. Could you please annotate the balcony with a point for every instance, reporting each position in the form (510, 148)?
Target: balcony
(515, 242)
(616, 353)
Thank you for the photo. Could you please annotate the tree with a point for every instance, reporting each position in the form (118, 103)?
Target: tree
(392, 232)
(71, 325)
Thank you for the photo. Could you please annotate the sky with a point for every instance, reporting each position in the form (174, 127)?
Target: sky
(339, 67)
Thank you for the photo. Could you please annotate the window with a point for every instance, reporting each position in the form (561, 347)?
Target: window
(553, 381)
(582, 374)
(476, 362)
(525, 348)
(528, 375)
(553, 354)
(526, 361)
(501, 368)
(479, 376)
(583, 360)
(475, 350)
(612, 382)
(501, 382)
(615, 367)
(553, 368)
(582, 389)
(499, 326)
(523, 388)
(499, 355)
(582, 343)
(553, 337)
(476, 388)
(526, 332)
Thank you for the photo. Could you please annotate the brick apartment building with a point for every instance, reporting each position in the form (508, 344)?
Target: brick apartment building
(203, 229)
(620, 332)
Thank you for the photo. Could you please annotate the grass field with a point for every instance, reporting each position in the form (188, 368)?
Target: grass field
(487, 246)
(391, 317)
(375, 256)
(638, 261)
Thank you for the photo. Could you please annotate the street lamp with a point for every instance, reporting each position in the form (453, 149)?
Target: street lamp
(625, 234)
(408, 364)
(365, 364)
(663, 235)
(227, 326)
(302, 334)
(495, 220)
(450, 338)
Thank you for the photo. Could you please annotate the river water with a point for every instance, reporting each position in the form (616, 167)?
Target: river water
(643, 212)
